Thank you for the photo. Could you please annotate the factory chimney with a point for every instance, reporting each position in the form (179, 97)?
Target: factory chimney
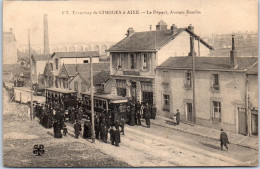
(46, 35)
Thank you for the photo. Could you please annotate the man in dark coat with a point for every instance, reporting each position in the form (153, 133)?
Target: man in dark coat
(112, 135)
(104, 132)
(85, 130)
(97, 127)
(77, 128)
(117, 137)
(132, 117)
(223, 139)
(57, 131)
(178, 117)
(147, 113)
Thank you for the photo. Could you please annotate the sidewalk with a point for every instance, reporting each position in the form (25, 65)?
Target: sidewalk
(234, 138)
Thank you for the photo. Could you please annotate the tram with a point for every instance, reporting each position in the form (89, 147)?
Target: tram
(63, 97)
(106, 103)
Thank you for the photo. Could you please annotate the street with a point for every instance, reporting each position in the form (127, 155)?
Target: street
(140, 147)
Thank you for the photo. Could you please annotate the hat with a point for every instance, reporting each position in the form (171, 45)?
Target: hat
(177, 109)
(221, 130)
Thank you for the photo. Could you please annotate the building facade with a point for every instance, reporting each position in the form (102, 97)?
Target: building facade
(9, 48)
(133, 60)
(221, 92)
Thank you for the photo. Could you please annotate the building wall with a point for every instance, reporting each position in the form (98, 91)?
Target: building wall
(9, 49)
(231, 96)
(79, 80)
(253, 91)
(180, 46)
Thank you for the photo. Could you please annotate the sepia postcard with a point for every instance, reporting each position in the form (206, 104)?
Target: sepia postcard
(130, 83)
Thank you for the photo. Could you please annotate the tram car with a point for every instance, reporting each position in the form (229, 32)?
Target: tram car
(106, 103)
(63, 97)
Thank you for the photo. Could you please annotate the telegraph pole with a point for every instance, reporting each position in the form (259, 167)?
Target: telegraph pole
(193, 82)
(31, 84)
(92, 100)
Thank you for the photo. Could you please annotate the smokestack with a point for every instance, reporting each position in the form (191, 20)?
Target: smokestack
(46, 35)
(233, 54)
(192, 51)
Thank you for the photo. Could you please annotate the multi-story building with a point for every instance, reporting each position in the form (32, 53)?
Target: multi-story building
(226, 91)
(9, 48)
(133, 60)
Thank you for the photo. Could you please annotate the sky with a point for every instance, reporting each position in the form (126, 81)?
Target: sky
(210, 17)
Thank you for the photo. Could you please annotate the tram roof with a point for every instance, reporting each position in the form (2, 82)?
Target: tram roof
(60, 90)
(107, 96)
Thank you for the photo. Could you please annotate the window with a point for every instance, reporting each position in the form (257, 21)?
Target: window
(83, 87)
(215, 82)
(76, 86)
(119, 61)
(216, 111)
(166, 102)
(51, 66)
(65, 83)
(121, 87)
(85, 61)
(56, 63)
(188, 82)
(165, 78)
(145, 62)
(132, 57)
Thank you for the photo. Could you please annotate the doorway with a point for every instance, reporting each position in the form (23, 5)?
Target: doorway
(148, 97)
(189, 111)
(242, 121)
(254, 122)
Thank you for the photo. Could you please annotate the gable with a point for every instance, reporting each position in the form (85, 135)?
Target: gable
(180, 46)
(63, 73)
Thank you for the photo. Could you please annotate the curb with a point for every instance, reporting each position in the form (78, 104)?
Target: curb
(197, 134)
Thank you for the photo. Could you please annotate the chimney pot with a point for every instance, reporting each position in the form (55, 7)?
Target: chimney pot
(173, 29)
(191, 28)
(130, 31)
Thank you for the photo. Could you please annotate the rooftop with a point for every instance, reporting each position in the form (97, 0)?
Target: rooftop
(76, 54)
(150, 40)
(206, 63)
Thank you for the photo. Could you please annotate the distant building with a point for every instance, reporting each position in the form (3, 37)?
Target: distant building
(226, 91)
(133, 60)
(9, 48)
(38, 64)
(58, 59)
(16, 74)
(246, 44)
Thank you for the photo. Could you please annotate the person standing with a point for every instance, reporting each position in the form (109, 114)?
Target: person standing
(77, 128)
(122, 125)
(97, 127)
(178, 117)
(112, 135)
(117, 137)
(223, 139)
(147, 116)
(132, 117)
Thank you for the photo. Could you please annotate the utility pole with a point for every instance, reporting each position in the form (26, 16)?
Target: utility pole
(92, 101)
(198, 46)
(30, 60)
(193, 82)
